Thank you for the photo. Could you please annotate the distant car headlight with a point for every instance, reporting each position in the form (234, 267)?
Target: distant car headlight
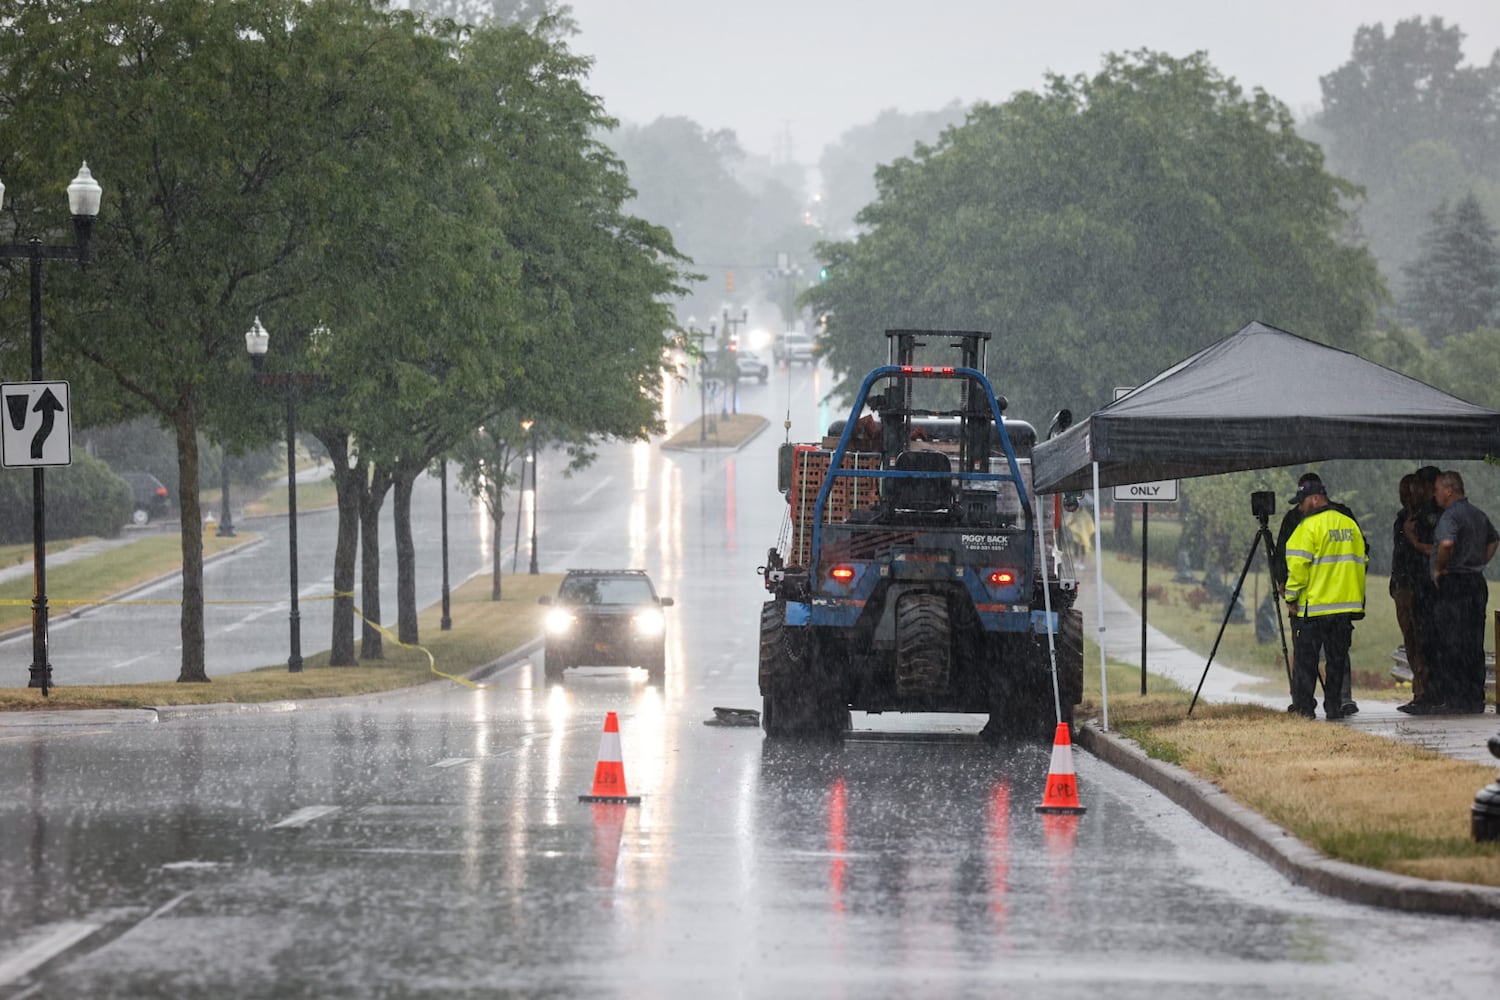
(559, 621)
(650, 622)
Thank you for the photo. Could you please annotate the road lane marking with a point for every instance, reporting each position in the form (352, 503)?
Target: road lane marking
(56, 940)
(304, 816)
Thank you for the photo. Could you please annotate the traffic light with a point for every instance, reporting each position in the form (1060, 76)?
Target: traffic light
(823, 273)
(728, 281)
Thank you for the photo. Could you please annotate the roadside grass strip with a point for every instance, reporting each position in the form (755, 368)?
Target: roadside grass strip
(1354, 796)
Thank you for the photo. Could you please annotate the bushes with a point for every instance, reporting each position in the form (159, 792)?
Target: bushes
(84, 498)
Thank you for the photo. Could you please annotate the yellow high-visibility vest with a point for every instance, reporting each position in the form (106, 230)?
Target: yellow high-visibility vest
(1325, 565)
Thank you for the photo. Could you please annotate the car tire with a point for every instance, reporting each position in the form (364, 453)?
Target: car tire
(656, 667)
(140, 517)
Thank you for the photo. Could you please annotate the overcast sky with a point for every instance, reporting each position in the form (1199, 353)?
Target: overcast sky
(790, 76)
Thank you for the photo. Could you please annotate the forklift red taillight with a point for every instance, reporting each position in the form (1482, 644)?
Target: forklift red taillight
(843, 574)
(927, 370)
(1002, 578)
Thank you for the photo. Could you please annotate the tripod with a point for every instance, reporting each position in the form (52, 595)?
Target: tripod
(1262, 538)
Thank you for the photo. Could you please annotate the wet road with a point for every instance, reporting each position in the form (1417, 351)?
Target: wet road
(432, 843)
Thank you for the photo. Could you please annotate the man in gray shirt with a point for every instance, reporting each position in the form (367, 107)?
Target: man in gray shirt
(1464, 542)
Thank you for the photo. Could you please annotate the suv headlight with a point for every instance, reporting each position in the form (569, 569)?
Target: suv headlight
(559, 621)
(650, 622)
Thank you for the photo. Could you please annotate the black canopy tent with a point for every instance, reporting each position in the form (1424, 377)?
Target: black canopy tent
(1262, 398)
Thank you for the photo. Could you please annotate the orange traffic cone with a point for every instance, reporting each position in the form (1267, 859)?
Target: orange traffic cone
(1061, 795)
(609, 772)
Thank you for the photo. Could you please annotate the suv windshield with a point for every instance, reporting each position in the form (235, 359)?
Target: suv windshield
(606, 590)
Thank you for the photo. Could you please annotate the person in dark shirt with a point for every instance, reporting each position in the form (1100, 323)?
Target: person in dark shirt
(1420, 527)
(1463, 544)
(1408, 572)
(1289, 523)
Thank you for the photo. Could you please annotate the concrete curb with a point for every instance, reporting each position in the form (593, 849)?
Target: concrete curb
(1212, 807)
(169, 713)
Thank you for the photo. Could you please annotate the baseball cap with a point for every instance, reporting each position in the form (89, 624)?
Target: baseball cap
(1303, 481)
(1308, 488)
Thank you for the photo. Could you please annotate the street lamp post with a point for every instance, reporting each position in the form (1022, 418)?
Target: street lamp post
(713, 334)
(731, 330)
(84, 194)
(530, 426)
(445, 624)
(257, 339)
(700, 336)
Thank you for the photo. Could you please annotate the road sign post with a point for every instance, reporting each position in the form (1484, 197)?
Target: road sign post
(1145, 494)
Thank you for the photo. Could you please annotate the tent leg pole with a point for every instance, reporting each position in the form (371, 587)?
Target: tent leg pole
(1099, 598)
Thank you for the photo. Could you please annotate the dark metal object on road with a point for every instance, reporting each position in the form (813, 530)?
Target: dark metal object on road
(734, 717)
(84, 194)
(1485, 814)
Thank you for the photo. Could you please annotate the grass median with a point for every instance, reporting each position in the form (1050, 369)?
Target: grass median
(723, 431)
(483, 630)
(96, 579)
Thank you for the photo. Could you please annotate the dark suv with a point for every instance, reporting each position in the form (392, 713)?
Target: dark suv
(606, 617)
(149, 496)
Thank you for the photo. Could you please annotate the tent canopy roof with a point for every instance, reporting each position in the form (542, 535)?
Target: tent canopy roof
(1263, 398)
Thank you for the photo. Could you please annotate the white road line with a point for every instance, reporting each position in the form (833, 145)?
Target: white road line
(584, 497)
(304, 816)
(57, 939)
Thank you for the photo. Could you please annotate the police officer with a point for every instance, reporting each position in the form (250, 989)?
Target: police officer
(1289, 523)
(1325, 591)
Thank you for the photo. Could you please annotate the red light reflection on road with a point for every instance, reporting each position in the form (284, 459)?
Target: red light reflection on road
(837, 842)
(999, 844)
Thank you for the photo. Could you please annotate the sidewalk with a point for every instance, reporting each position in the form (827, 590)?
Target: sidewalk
(1463, 737)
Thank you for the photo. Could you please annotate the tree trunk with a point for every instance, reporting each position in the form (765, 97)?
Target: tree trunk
(346, 549)
(496, 520)
(193, 668)
(406, 561)
(372, 487)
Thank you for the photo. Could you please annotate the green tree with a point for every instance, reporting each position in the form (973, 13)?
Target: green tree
(738, 219)
(1102, 229)
(487, 462)
(1407, 120)
(239, 145)
(1454, 284)
(847, 166)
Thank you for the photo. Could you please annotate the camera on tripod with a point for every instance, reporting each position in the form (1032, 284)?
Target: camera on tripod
(1263, 503)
